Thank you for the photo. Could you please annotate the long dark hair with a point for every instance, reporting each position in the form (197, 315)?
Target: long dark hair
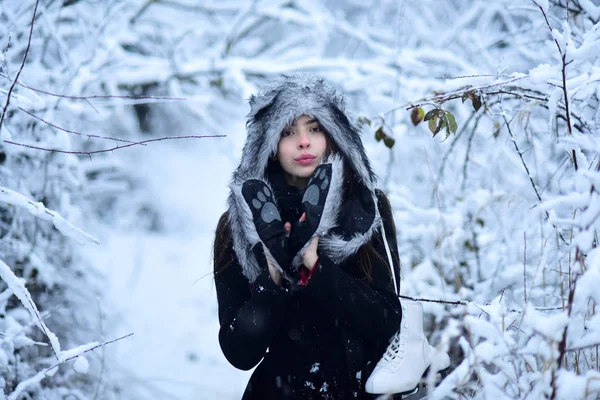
(367, 253)
(223, 245)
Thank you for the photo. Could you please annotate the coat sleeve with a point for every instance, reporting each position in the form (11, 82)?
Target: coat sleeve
(369, 307)
(249, 315)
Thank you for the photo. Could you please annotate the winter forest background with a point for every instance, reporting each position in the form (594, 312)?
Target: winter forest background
(106, 225)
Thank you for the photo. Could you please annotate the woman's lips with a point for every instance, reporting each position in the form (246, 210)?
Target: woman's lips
(305, 160)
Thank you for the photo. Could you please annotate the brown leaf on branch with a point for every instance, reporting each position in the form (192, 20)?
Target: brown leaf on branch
(476, 100)
(379, 134)
(417, 115)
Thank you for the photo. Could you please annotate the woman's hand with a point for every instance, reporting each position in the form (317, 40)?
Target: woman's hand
(310, 257)
(275, 273)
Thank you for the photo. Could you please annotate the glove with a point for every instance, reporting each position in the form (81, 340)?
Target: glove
(268, 223)
(313, 204)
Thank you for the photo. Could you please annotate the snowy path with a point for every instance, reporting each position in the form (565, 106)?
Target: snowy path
(162, 287)
(173, 316)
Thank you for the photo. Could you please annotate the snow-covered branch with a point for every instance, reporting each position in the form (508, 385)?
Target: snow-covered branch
(37, 209)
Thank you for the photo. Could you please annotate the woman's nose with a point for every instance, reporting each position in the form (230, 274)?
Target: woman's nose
(303, 141)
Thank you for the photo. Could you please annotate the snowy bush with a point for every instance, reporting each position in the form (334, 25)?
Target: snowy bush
(505, 216)
(48, 300)
(496, 213)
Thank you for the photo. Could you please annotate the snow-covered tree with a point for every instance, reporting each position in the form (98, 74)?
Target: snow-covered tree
(482, 119)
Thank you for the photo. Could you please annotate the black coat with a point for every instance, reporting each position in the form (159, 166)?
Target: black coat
(318, 342)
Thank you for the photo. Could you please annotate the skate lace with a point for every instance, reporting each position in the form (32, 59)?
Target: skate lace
(396, 349)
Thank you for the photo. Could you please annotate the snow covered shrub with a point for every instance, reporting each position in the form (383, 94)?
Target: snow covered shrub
(75, 85)
(505, 216)
(48, 289)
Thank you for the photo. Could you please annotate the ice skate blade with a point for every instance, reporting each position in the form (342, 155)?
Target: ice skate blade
(420, 392)
(409, 395)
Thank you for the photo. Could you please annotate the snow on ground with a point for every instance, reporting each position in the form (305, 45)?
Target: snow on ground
(161, 283)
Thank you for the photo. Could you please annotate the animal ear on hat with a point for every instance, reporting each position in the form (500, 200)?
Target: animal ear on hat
(261, 105)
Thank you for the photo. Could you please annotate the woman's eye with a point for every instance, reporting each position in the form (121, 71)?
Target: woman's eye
(316, 129)
(286, 133)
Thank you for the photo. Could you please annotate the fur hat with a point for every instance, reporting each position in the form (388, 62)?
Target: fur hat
(278, 105)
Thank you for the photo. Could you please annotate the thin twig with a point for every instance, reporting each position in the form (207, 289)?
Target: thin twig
(562, 346)
(528, 173)
(440, 174)
(103, 353)
(525, 267)
(89, 153)
(543, 99)
(472, 76)
(74, 132)
(101, 97)
(563, 58)
(468, 151)
(521, 157)
(457, 94)
(456, 303)
(88, 350)
(12, 86)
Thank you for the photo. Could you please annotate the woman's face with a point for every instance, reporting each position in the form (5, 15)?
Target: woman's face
(300, 149)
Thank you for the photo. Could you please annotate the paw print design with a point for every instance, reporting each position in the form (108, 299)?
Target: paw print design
(261, 201)
(318, 186)
(267, 221)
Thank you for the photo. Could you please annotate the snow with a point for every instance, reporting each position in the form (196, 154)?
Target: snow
(550, 327)
(49, 372)
(8, 196)
(18, 288)
(162, 284)
(543, 73)
(590, 8)
(81, 365)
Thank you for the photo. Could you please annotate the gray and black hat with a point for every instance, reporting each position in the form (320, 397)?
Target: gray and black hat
(278, 105)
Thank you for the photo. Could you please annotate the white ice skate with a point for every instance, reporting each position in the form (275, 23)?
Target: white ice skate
(408, 356)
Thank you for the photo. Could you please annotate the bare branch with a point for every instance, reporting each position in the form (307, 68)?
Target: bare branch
(77, 133)
(89, 153)
(467, 154)
(12, 86)
(456, 303)
(562, 346)
(88, 350)
(457, 94)
(440, 173)
(525, 268)
(512, 137)
(563, 58)
(101, 97)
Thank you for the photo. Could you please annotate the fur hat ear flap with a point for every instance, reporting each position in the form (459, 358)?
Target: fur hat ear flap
(260, 106)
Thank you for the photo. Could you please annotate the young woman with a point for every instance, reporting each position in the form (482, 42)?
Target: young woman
(304, 287)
